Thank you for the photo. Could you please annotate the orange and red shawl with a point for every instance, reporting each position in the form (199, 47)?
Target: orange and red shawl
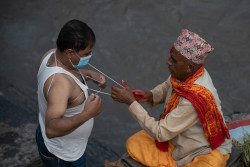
(205, 105)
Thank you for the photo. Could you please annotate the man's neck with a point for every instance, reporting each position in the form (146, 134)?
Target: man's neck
(196, 67)
(63, 60)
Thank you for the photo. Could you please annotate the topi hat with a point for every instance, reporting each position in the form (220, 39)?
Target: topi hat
(192, 46)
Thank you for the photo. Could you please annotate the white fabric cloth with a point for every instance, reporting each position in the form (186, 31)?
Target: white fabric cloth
(182, 125)
(72, 146)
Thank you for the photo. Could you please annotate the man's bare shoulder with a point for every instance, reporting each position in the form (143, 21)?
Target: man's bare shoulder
(59, 83)
(61, 79)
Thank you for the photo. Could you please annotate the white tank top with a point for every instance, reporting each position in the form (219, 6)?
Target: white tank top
(72, 146)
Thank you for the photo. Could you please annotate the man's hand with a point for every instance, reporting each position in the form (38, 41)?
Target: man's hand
(143, 96)
(93, 106)
(123, 95)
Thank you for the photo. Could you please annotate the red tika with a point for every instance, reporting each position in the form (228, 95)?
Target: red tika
(203, 101)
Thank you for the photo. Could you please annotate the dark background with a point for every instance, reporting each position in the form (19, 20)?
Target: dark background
(133, 42)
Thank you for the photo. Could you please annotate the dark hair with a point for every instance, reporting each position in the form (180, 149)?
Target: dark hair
(75, 35)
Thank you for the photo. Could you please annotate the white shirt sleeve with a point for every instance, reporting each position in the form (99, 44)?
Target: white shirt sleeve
(160, 93)
(181, 118)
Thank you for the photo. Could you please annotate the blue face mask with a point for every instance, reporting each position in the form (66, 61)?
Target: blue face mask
(83, 61)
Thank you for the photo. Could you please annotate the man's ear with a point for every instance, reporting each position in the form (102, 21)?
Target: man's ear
(68, 53)
(190, 68)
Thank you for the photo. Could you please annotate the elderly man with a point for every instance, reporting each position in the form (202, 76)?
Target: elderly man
(191, 131)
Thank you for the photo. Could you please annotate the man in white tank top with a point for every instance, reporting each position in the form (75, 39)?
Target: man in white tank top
(66, 111)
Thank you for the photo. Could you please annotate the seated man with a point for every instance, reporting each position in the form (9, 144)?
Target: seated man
(191, 131)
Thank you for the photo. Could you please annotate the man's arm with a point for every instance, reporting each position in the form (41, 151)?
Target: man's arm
(55, 124)
(96, 77)
(159, 93)
(180, 119)
(154, 96)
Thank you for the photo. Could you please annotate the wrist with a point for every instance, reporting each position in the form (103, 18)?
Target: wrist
(150, 95)
(84, 116)
(131, 101)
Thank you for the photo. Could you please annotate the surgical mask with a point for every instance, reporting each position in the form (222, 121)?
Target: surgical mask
(83, 61)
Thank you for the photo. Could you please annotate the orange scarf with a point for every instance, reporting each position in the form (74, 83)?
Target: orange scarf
(205, 105)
